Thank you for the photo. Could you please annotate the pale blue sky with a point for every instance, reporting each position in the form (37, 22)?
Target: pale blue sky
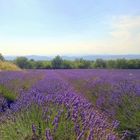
(51, 27)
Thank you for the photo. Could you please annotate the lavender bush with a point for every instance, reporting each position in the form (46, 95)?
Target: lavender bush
(69, 105)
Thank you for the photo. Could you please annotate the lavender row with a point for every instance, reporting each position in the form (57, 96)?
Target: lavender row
(55, 91)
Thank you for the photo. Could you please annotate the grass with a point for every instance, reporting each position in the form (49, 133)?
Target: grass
(128, 113)
(20, 127)
(129, 117)
(8, 66)
(7, 94)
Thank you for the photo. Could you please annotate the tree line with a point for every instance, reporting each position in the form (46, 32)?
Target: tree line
(59, 63)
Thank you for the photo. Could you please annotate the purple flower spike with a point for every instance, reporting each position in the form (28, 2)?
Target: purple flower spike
(33, 129)
(48, 135)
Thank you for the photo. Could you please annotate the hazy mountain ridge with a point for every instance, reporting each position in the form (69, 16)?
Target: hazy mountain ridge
(86, 57)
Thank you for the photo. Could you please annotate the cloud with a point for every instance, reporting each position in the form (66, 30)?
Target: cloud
(122, 37)
(125, 34)
(125, 27)
(50, 47)
(127, 22)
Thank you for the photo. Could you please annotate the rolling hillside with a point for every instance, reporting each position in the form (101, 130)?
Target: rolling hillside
(8, 66)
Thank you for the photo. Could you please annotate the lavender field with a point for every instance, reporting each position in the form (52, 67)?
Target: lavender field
(70, 105)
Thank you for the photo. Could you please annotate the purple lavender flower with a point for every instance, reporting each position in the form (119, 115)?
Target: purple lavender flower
(33, 129)
(48, 135)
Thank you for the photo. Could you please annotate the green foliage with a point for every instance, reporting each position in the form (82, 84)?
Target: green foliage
(127, 111)
(57, 62)
(121, 63)
(47, 64)
(21, 126)
(39, 65)
(100, 63)
(7, 94)
(134, 64)
(67, 64)
(22, 62)
(1, 57)
(129, 115)
(111, 64)
(82, 64)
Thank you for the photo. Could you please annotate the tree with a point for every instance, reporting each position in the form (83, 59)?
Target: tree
(39, 65)
(22, 62)
(111, 64)
(46, 64)
(57, 62)
(100, 63)
(134, 64)
(1, 57)
(121, 63)
(66, 64)
(84, 64)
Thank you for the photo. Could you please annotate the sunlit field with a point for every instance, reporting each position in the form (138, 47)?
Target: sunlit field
(70, 105)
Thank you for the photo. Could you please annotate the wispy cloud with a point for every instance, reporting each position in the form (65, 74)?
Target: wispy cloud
(125, 33)
(125, 27)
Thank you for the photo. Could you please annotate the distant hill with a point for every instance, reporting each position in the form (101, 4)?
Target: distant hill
(35, 57)
(8, 66)
(105, 57)
(86, 57)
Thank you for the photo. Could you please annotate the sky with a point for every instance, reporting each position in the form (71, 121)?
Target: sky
(69, 27)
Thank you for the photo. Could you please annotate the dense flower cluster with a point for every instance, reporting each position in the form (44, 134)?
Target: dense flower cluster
(63, 107)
